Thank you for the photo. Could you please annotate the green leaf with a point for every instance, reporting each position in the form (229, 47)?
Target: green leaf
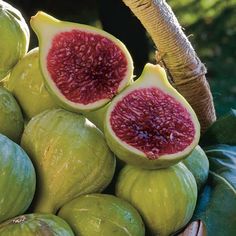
(216, 205)
(222, 159)
(222, 131)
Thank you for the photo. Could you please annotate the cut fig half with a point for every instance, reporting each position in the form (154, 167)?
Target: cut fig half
(150, 124)
(84, 67)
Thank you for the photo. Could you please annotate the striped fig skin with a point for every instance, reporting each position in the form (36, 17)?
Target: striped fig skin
(70, 156)
(36, 224)
(17, 179)
(15, 38)
(107, 215)
(165, 198)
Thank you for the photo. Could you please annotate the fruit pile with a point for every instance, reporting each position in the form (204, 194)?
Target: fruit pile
(84, 148)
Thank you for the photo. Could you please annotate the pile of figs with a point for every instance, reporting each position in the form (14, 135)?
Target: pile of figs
(85, 147)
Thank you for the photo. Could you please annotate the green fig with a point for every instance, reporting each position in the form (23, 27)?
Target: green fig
(165, 198)
(70, 156)
(14, 41)
(11, 118)
(17, 180)
(197, 162)
(97, 117)
(102, 214)
(36, 225)
(27, 85)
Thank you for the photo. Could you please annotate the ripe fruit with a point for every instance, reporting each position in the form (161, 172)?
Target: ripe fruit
(102, 214)
(150, 124)
(11, 119)
(165, 198)
(27, 85)
(14, 37)
(84, 67)
(197, 162)
(17, 179)
(36, 224)
(70, 156)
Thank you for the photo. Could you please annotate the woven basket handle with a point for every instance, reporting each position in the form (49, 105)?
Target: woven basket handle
(175, 52)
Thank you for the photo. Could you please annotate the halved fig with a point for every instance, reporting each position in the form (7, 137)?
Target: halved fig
(150, 124)
(84, 67)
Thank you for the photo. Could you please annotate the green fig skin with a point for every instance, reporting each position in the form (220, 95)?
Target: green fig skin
(70, 155)
(17, 179)
(97, 117)
(197, 162)
(165, 198)
(14, 37)
(152, 76)
(102, 214)
(26, 83)
(11, 118)
(36, 225)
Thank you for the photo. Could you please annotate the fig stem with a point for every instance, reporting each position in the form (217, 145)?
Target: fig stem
(151, 70)
(177, 55)
(41, 21)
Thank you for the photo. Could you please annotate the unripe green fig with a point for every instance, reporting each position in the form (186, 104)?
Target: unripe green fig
(14, 37)
(165, 198)
(197, 162)
(97, 117)
(102, 214)
(11, 118)
(27, 85)
(17, 179)
(70, 156)
(36, 225)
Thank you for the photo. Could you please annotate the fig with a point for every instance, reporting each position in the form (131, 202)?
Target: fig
(14, 37)
(165, 198)
(11, 118)
(97, 117)
(17, 179)
(36, 225)
(27, 85)
(197, 162)
(70, 156)
(150, 124)
(84, 67)
(102, 214)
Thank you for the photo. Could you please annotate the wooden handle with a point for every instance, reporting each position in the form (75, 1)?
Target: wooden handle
(176, 53)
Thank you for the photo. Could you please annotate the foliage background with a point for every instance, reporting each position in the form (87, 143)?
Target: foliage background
(210, 25)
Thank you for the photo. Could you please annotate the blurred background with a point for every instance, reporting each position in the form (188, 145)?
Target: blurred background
(209, 24)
